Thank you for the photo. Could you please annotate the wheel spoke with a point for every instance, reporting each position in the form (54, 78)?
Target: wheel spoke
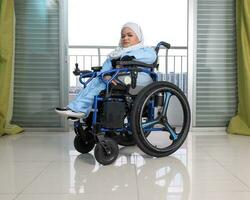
(167, 96)
(171, 131)
(150, 124)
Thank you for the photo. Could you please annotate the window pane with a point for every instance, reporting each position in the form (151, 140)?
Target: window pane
(37, 68)
(216, 63)
(98, 22)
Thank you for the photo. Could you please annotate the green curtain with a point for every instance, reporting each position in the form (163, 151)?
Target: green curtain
(7, 32)
(240, 124)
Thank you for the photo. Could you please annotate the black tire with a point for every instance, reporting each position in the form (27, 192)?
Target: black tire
(140, 134)
(84, 140)
(122, 138)
(126, 139)
(83, 146)
(102, 156)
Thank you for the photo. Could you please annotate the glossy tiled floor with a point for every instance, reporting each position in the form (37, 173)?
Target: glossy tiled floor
(37, 166)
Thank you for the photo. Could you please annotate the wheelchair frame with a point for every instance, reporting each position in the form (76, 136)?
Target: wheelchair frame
(106, 150)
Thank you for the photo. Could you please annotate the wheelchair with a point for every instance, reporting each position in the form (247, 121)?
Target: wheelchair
(122, 117)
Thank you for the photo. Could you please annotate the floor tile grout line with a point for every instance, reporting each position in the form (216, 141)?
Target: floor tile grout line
(5, 194)
(226, 169)
(17, 195)
(32, 181)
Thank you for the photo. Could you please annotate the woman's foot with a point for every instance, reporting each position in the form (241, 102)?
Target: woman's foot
(69, 113)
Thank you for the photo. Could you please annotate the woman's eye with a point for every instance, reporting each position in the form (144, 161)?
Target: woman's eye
(128, 35)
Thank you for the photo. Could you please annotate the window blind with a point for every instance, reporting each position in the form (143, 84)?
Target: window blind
(37, 64)
(216, 84)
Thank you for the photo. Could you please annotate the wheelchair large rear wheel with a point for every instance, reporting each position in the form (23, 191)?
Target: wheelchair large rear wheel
(165, 129)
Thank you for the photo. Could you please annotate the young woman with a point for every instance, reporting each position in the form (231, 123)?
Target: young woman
(130, 48)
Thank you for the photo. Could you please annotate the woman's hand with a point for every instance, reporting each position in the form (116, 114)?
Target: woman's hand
(108, 77)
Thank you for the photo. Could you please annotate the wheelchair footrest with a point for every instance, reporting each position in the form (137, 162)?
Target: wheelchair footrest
(73, 119)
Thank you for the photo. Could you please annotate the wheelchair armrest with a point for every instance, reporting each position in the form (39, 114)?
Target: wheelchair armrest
(133, 63)
(97, 68)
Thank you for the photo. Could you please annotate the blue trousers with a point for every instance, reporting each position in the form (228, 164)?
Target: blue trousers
(84, 100)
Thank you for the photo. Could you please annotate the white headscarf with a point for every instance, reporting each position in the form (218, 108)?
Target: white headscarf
(120, 50)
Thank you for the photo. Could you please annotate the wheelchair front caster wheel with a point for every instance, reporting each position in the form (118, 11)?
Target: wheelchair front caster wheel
(106, 151)
(83, 146)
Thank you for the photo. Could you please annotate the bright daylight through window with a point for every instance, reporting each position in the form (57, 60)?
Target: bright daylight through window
(93, 31)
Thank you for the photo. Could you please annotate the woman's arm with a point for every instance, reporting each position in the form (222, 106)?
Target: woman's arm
(146, 55)
(107, 65)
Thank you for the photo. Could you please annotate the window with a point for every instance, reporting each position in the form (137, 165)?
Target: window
(94, 30)
(37, 66)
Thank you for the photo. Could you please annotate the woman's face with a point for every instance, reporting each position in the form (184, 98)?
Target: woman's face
(128, 37)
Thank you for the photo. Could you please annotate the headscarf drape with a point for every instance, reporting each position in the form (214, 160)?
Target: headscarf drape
(120, 50)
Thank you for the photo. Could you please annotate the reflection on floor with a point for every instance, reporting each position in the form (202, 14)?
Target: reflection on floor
(36, 166)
